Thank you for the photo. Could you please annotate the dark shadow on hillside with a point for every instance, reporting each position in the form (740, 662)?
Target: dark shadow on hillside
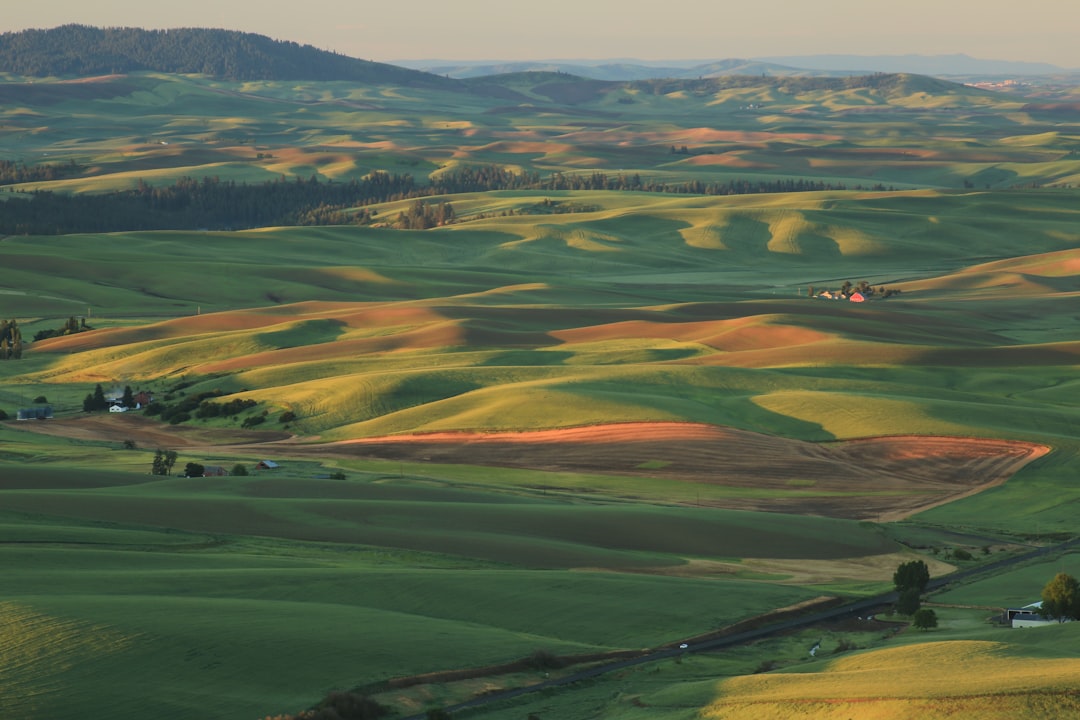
(307, 332)
(528, 358)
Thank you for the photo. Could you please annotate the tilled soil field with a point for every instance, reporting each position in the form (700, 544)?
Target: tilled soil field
(881, 478)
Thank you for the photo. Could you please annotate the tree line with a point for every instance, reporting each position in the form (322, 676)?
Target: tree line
(228, 54)
(215, 204)
(70, 327)
(15, 172)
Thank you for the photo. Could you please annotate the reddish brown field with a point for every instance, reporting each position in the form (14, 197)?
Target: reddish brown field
(880, 478)
(883, 478)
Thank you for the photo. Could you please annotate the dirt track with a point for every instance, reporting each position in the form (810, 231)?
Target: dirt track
(886, 478)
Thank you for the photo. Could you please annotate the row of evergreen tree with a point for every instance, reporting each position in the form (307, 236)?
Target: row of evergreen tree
(215, 204)
(211, 204)
(96, 400)
(12, 173)
(421, 216)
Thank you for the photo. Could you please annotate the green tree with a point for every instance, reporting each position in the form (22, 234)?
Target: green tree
(1061, 598)
(909, 602)
(239, 470)
(100, 403)
(158, 466)
(194, 469)
(911, 575)
(910, 580)
(88, 403)
(128, 398)
(170, 460)
(10, 340)
(924, 619)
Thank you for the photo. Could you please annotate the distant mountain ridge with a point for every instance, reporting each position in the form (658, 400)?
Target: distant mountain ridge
(953, 64)
(956, 65)
(616, 71)
(81, 50)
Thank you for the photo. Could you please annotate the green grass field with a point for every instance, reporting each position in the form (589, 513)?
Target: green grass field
(131, 595)
(271, 579)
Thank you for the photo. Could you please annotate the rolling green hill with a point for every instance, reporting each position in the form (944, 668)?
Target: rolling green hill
(590, 416)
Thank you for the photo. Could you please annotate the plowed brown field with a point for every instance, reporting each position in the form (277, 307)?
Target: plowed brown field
(881, 478)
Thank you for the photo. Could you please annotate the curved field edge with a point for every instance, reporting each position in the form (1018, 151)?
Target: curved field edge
(971, 678)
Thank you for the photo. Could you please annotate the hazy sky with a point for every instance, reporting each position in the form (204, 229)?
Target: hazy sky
(387, 30)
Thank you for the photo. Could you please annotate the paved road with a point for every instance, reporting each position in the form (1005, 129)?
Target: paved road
(857, 608)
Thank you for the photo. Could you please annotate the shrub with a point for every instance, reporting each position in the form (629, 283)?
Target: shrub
(252, 421)
(287, 416)
(41, 400)
(239, 470)
(924, 619)
(130, 445)
(338, 475)
(3, 415)
(961, 554)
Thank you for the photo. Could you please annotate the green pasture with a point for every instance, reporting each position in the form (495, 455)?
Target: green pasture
(1015, 588)
(719, 341)
(241, 617)
(806, 240)
(527, 530)
(1038, 499)
(164, 127)
(129, 594)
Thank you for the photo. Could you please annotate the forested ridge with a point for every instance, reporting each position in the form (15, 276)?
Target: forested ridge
(215, 204)
(81, 50)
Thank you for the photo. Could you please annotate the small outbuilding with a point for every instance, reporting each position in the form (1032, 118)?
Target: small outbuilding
(214, 471)
(35, 413)
(267, 465)
(857, 297)
(1027, 616)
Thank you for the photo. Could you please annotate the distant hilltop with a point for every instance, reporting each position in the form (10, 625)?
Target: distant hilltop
(86, 51)
(629, 69)
(81, 50)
